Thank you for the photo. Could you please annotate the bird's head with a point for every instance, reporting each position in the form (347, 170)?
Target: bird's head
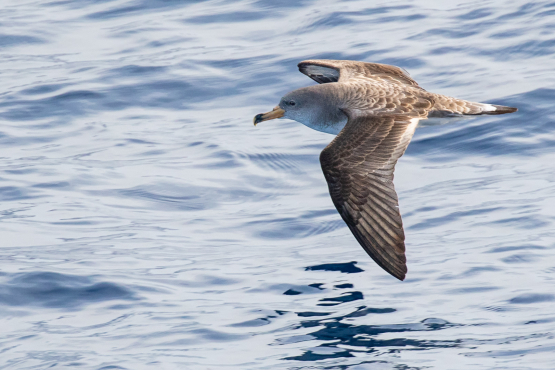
(306, 105)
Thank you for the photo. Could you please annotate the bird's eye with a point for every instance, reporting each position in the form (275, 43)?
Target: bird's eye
(292, 103)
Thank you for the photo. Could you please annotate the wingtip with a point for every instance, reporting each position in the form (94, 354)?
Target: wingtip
(304, 62)
(398, 271)
(327, 63)
(399, 275)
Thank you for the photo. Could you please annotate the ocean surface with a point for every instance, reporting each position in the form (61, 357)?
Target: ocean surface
(145, 223)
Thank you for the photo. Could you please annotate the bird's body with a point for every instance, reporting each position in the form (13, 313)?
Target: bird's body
(373, 109)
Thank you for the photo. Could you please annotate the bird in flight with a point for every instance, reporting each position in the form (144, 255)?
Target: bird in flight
(373, 109)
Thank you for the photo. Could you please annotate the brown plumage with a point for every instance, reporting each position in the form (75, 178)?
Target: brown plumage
(358, 166)
(383, 77)
(374, 110)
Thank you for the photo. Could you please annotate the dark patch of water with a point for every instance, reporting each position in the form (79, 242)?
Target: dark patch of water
(55, 290)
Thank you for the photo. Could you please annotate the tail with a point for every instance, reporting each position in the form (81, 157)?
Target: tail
(445, 106)
(500, 109)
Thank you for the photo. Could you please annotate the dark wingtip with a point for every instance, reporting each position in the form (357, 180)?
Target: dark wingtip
(302, 66)
(501, 109)
(397, 271)
(399, 275)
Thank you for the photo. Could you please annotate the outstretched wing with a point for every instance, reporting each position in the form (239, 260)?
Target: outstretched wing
(324, 71)
(358, 166)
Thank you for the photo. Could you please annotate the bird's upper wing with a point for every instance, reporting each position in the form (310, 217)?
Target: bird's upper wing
(358, 166)
(324, 71)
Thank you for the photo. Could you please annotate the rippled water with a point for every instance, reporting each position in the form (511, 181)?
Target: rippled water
(146, 224)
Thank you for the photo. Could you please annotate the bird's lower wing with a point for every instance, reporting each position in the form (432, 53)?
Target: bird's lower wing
(358, 166)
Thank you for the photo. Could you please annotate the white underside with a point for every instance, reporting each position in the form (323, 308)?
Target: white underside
(336, 129)
(331, 129)
(436, 121)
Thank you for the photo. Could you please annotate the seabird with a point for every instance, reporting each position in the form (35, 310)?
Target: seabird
(373, 109)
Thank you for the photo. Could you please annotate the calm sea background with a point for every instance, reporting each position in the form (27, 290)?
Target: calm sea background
(146, 224)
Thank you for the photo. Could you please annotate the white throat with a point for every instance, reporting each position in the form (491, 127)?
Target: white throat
(331, 128)
(328, 127)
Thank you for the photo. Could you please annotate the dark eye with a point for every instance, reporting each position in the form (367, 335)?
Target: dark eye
(291, 103)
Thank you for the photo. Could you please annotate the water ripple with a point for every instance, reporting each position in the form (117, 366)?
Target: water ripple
(145, 223)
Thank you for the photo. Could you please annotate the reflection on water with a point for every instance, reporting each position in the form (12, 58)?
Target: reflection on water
(345, 340)
(146, 224)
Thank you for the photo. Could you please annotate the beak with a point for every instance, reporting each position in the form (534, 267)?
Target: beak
(277, 112)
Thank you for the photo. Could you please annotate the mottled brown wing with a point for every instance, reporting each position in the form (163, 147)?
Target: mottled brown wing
(324, 71)
(358, 166)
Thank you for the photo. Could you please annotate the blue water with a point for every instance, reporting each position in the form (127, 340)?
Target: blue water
(146, 224)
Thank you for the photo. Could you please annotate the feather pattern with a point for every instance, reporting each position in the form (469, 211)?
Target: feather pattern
(348, 69)
(385, 83)
(374, 110)
(358, 166)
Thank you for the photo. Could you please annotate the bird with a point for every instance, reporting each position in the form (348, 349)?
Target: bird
(373, 109)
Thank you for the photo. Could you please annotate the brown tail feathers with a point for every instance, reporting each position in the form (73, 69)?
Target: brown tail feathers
(501, 109)
(448, 106)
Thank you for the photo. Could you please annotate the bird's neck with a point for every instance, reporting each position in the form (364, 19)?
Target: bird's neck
(330, 124)
(326, 116)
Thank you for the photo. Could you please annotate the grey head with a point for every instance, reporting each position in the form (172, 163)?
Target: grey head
(317, 107)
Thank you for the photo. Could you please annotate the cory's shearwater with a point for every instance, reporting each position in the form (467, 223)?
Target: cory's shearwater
(373, 109)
